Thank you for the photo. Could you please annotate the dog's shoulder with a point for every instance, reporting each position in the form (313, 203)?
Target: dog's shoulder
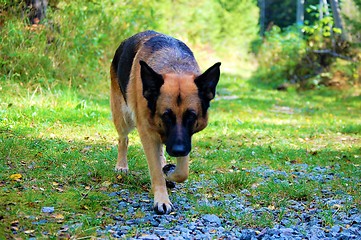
(124, 56)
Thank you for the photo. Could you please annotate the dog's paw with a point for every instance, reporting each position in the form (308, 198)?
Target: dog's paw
(121, 169)
(163, 208)
(170, 184)
(168, 169)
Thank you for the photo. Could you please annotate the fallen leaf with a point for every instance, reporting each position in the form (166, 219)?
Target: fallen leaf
(29, 231)
(14, 228)
(271, 207)
(58, 216)
(16, 176)
(84, 207)
(39, 154)
(14, 223)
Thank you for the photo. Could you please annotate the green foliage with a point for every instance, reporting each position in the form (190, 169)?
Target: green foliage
(215, 23)
(282, 13)
(75, 43)
(317, 57)
(353, 24)
(279, 55)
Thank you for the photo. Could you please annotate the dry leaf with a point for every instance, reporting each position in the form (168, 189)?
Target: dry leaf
(14, 223)
(29, 231)
(14, 228)
(15, 176)
(58, 216)
(271, 207)
(84, 207)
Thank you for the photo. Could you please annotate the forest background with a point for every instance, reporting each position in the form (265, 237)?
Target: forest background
(76, 39)
(289, 95)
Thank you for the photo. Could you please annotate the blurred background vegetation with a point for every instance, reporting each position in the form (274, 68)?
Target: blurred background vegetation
(74, 42)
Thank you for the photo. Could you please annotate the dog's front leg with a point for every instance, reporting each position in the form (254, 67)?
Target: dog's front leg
(153, 149)
(177, 173)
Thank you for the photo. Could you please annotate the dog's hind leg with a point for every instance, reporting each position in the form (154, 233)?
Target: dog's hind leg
(122, 121)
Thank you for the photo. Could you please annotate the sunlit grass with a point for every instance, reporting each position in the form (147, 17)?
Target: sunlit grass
(63, 143)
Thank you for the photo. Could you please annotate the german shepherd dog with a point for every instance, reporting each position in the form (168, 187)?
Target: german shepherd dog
(157, 87)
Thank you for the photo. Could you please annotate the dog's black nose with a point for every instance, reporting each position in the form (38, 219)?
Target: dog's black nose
(178, 150)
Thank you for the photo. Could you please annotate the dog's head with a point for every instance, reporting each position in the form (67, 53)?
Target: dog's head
(178, 105)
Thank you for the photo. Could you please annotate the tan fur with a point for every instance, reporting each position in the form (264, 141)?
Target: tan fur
(122, 120)
(151, 141)
(135, 113)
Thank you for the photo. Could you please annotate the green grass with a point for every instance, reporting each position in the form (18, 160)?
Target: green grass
(63, 144)
(228, 182)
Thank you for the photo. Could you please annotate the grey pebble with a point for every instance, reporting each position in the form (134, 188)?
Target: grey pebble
(47, 209)
(149, 237)
(212, 219)
(336, 229)
(300, 219)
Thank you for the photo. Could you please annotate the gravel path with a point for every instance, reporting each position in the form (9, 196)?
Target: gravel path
(135, 218)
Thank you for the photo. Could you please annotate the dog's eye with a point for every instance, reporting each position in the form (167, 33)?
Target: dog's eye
(190, 116)
(168, 116)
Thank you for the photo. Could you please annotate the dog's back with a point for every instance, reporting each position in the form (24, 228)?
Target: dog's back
(162, 53)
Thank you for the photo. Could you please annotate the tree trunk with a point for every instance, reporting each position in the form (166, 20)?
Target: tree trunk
(300, 13)
(262, 20)
(320, 9)
(337, 18)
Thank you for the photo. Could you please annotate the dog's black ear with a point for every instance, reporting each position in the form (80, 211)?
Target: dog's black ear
(152, 82)
(206, 84)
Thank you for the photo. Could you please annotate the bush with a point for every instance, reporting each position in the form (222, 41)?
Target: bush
(316, 57)
(73, 45)
(278, 55)
(76, 41)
